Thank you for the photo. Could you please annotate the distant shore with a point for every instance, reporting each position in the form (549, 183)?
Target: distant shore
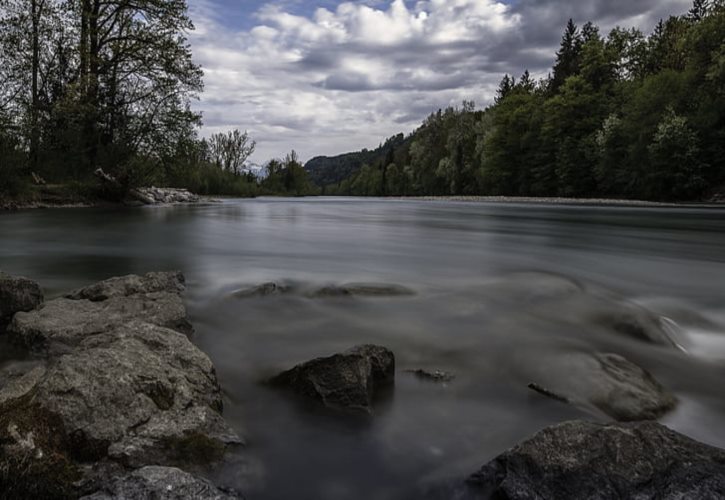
(566, 201)
(50, 202)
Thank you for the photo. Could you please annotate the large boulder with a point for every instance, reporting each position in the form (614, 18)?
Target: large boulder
(607, 382)
(154, 298)
(136, 395)
(162, 483)
(577, 460)
(17, 294)
(348, 381)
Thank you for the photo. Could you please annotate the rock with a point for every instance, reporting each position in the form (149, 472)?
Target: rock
(155, 196)
(17, 294)
(607, 382)
(577, 460)
(433, 376)
(345, 290)
(362, 290)
(263, 290)
(154, 298)
(347, 381)
(634, 321)
(137, 395)
(171, 282)
(162, 483)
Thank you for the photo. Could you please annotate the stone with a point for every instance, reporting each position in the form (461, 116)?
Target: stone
(124, 286)
(17, 294)
(64, 322)
(362, 290)
(579, 459)
(162, 483)
(263, 290)
(636, 322)
(607, 382)
(437, 376)
(347, 381)
(139, 394)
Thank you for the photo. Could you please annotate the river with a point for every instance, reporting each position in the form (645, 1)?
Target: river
(503, 291)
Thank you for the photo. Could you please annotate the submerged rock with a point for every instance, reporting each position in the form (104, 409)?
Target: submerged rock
(633, 321)
(348, 381)
(433, 376)
(577, 460)
(162, 483)
(362, 290)
(609, 383)
(154, 298)
(273, 288)
(263, 290)
(17, 294)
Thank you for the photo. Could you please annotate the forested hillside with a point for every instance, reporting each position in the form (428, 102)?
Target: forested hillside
(325, 170)
(621, 115)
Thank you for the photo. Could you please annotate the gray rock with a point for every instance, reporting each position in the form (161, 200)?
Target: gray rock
(17, 294)
(124, 286)
(362, 290)
(437, 376)
(634, 321)
(263, 290)
(607, 382)
(348, 381)
(154, 298)
(576, 460)
(138, 395)
(161, 483)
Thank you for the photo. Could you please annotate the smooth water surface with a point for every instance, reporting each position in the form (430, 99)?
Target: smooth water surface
(504, 293)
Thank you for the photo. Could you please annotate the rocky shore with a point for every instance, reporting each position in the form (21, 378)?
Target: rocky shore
(115, 402)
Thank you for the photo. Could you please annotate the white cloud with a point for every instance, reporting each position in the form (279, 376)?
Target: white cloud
(346, 78)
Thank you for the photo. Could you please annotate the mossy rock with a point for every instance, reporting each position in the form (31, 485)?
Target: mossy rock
(34, 453)
(194, 448)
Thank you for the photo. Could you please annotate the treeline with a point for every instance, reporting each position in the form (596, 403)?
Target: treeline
(622, 115)
(88, 84)
(326, 170)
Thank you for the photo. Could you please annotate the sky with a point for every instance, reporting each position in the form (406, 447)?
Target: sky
(324, 77)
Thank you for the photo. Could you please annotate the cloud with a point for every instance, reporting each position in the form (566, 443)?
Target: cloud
(347, 75)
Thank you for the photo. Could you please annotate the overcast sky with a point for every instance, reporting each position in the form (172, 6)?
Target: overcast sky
(326, 77)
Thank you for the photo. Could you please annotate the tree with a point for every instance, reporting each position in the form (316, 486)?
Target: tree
(229, 151)
(567, 57)
(504, 88)
(675, 165)
(699, 10)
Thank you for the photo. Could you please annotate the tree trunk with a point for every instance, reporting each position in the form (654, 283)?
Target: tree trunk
(36, 14)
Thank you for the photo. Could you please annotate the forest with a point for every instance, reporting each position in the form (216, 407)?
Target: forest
(623, 115)
(89, 84)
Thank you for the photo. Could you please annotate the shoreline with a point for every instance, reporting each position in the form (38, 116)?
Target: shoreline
(17, 205)
(613, 202)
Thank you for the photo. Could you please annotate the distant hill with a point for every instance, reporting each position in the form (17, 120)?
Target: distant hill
(328, 170)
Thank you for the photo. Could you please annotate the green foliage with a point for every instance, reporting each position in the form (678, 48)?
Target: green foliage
(626, 115)
(287, 178)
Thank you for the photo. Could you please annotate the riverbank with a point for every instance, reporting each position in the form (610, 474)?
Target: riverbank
(91, 196)
(715, 203)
